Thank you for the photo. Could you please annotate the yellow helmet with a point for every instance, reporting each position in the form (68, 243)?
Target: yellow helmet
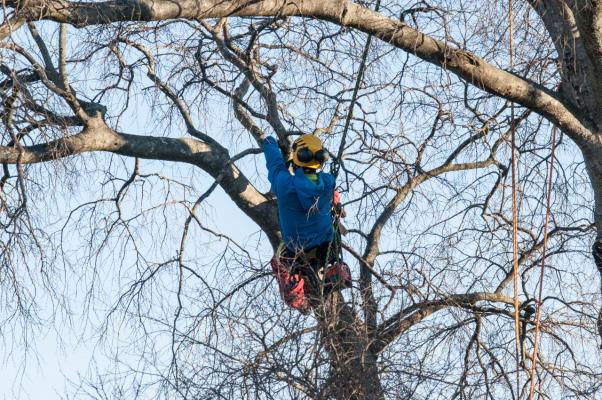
(309, 152)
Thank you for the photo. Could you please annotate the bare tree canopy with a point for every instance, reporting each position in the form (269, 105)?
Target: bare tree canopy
(131, 155)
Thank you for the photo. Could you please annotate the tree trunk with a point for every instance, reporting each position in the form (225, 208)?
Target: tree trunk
(592, 153)
(354, 369)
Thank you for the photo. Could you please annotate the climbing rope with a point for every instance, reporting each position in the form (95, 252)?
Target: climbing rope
(514, 213)
(543, 261)
(336, 162)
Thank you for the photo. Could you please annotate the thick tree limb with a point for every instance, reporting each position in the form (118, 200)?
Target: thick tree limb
(588, 15)
(466, 65)
(212, 160)
(9, 26)
(578, 80)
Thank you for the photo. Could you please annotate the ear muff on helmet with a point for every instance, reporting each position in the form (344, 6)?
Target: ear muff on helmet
(304, 155)
(321, 156)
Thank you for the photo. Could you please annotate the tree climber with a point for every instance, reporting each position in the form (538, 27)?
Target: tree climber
(305, 203)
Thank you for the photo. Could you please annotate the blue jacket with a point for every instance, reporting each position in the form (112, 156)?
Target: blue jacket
(304, 207)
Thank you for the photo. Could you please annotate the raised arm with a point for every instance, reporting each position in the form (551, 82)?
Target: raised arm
(273, 157)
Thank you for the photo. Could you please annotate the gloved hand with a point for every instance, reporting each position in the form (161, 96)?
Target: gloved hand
(273, 140)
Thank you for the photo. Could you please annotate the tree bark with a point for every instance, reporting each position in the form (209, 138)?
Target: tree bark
(354, 369)
(592, 154)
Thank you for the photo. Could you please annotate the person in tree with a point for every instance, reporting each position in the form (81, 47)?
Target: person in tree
(305, 203)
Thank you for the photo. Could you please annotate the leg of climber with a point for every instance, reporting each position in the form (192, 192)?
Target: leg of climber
(291, 284)
(308, 267)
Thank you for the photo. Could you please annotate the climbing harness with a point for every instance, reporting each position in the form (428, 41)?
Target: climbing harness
(338, 273)
(306, 276)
